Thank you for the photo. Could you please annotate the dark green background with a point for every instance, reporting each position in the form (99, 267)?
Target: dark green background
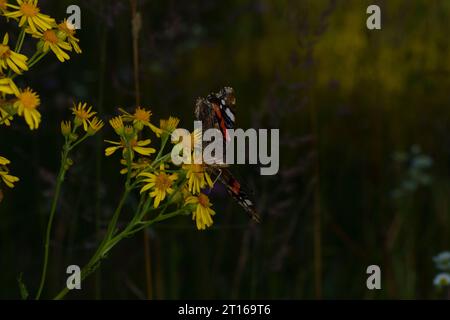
(345, 100)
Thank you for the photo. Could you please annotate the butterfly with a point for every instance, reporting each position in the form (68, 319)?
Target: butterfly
(218, 111)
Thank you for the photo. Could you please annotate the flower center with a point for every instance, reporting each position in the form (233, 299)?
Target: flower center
(82, 114)
(50, 36)
(29, 9)
(133, 143)
(5, 52)
(141, 115)
(67, 27)
(162, 182)
(29, 100)
(203, 200)
(3, 4)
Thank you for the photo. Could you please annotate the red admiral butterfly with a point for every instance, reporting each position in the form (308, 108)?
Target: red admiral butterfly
(218, 111)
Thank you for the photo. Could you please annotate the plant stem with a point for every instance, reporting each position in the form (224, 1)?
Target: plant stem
(103, 248)
(110, 241)
(59, 182)
(20, 41)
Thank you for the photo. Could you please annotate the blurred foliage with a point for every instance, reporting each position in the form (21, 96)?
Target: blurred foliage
(345, 98)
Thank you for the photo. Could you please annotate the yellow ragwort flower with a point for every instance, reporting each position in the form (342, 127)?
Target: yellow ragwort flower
(197, 177)
(8, 86)
(4, 161)
(8, 179)
(66, 128)
(159, 184)
(10, 59)
(117, 124)
(94, 126)
(26, 105)
(137, 146)
(68, 32)
(29, 14)
(82, 115)
(50, 41)
(203, 212)
(169, 125)
(140, 118)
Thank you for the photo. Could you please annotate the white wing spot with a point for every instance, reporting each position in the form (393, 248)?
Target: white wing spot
(229, 114)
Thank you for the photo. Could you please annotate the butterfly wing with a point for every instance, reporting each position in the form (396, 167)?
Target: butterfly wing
(223, 106)
(235, 190)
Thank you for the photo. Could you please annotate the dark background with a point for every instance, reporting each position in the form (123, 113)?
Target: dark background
(347, 102)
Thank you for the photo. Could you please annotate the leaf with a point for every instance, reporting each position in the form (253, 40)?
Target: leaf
(23, 289)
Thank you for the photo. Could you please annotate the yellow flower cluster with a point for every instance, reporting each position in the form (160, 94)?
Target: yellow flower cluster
(85, 118)
(24, 102)
(58, 38)
(155, 176)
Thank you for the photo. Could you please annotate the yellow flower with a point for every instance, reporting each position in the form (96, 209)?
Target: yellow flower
(7, 86)
(197, 177)
(66, 128)
(159, 184)
(50, 41)
(169, 125)
(82, 115)
(8, 58)
(8, 179)
(29, 14)
(117, 124)
(68, 30)
(4, 161)
(140, 118)
(26, 105)
(203, 212)
(137, 146)
(94, 126)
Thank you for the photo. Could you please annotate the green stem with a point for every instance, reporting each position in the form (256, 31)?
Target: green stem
(32, 63)
(78, 142)
(100, 252)
(112, 224)
(20, 41)
(108, 244)
(33, 60)
(135, 225)
(159, 218)
(59, 182)
(163, 145)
